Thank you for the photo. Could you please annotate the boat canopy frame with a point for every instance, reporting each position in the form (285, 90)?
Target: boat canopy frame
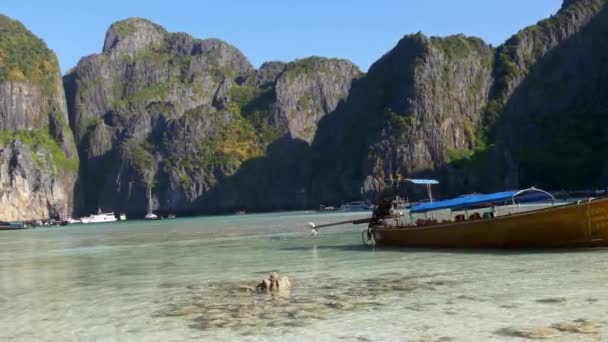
(472, 201)
(426, 182)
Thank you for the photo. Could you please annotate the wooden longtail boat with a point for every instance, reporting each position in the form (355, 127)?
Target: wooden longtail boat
(583, 223)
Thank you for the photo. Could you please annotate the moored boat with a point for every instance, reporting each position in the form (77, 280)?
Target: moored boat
(99, 218)
(151, 216)
(68, 220)
(530, 218)
(357, 206)
(498, 221)
(13, 225)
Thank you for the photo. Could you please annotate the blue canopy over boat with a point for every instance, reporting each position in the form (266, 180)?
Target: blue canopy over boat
(518, 196)
(422, 181)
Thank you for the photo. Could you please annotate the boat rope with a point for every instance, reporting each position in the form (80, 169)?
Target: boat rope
(589, 232)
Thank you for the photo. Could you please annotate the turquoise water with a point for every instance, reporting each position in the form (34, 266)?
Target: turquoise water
(183, 279)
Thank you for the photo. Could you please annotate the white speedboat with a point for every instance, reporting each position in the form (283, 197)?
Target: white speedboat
(323, 208)
(151, 216)
(357, 206)
(99, 218)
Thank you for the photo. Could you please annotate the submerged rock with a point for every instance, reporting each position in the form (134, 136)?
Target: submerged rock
(271, 304)
(536, 333)
(580, 326)
(274, 283)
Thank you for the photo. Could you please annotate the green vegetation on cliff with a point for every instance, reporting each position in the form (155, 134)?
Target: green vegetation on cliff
(255, 105)
(571, 148)
(127, 27)
(139, 155)
(141, 97)
(458, 46)
(25, 57)
(232, 142)
(46, 151)
(306, 66)
(124, 28)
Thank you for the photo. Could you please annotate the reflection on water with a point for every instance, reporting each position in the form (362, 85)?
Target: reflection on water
(194, 278)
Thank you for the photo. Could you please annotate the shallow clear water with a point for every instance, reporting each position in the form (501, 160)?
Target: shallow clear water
(190, 279)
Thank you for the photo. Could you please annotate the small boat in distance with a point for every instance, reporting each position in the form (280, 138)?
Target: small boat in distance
(99, 217)
(323, 208)
(68, 220)
(357, 206)
(12, 225)
(151, 216)
(122, 217)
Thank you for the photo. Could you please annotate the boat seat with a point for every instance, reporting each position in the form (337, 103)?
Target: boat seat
(475, 216)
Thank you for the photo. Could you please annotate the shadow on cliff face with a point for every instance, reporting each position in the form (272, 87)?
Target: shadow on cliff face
(489, 170)
(295, 175)
(552, 132)
(343, 138)
(277, 181)
(354, 151)
(556, 122)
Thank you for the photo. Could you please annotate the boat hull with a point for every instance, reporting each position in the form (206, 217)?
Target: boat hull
(582, 224)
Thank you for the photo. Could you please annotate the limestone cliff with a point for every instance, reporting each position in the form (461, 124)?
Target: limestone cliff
(531, 112)
(170, 122)
(548, 106)
(309, 89)
(418, 108)
(38, 159)
(164, 120)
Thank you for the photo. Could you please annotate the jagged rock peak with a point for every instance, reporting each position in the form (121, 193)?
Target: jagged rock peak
(315, 64)
(183, 44)
(453, 44)
(269, 72)
(568, 3)
(310, 88)
(132, 35)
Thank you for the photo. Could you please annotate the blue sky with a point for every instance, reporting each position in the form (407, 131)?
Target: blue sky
(361, 31)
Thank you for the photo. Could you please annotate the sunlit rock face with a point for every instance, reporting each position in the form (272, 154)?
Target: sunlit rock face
(38, 159)
(170, 122)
